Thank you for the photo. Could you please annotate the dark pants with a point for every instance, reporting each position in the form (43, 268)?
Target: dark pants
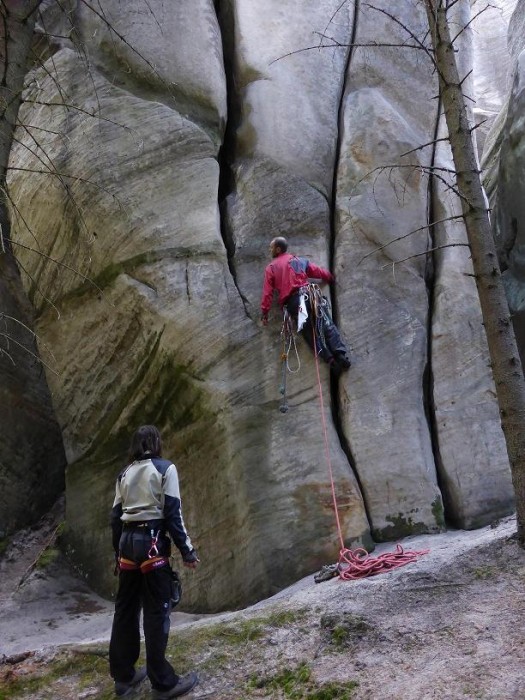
(321, 334)
(150, 592)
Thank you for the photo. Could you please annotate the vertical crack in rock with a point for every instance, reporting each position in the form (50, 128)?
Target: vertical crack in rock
(334, 381)
(226, 153)
(187, 277)
(430, 279)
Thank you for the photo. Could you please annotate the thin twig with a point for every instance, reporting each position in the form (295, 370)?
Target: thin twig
(426, 252)
(338, 45)
(40, 552)
(58, 262)
(37, 288)
(29, 352)
(406, 235)
(470, 21)
(419, 148)
(36, 337)
(421, 45)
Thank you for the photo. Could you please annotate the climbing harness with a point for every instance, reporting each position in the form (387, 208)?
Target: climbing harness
(154, 560)
(148, 565)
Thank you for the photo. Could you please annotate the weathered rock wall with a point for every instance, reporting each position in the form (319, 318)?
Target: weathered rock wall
(505, 176)
(162, 185)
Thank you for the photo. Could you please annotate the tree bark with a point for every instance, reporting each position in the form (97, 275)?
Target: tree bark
(504, 355)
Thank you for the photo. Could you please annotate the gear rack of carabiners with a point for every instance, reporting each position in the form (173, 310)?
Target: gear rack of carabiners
(319, 306)
(288, 341)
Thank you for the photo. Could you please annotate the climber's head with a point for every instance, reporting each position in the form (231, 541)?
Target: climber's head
(278, 246)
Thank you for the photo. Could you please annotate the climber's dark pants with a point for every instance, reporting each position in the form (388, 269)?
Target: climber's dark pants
(333, 345)
(150, 592)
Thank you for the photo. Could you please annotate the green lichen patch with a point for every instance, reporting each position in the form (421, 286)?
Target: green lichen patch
(297, 683)
(4, 544)
(485, 572)
(403, 525)
(47, 558)
(212, 645)
(48, 681)
(343, 629)
(438, 512)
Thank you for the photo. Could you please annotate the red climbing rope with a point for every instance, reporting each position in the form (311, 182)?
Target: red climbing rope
(356, 563)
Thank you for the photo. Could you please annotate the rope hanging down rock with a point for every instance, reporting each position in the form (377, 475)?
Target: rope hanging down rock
(357, 563)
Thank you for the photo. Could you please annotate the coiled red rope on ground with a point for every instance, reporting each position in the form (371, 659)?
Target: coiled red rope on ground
(357, 563)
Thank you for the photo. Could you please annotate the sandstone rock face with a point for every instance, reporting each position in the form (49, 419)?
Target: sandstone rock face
(510, 213)
(162, 184)
(491, 62)
(508, 196)
(385, 310)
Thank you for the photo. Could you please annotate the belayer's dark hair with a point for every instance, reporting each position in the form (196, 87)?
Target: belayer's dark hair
(146, 442)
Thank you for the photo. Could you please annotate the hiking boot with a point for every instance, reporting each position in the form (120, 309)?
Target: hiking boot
(182, 686)
(327, 572)
(124, 689)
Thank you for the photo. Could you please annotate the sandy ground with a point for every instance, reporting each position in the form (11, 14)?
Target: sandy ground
(450, 626)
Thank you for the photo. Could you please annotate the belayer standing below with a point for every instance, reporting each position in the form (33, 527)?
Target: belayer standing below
(289, 276)
(147, 506)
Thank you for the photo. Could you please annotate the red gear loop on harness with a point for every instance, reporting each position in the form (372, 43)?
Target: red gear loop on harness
(145, 567)
(356, 563)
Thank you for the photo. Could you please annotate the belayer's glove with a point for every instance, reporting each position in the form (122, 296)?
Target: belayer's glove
(190, 557)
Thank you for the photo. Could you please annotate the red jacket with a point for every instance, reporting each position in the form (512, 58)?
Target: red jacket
(287, 273)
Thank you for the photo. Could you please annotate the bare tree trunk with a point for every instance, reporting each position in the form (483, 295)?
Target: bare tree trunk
(505, 360)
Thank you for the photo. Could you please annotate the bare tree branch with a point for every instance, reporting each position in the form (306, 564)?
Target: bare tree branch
(37, 128)
(426, 252)
(410, 233)
(30, 352)
(469, 22)
(58, 262)
(420, 148)
(334, 14)
(75, 178)
(4, 316)
(112, 30)
(418, 41)
(339, 45)
(66, 187)
(66, 105)
(37, 288)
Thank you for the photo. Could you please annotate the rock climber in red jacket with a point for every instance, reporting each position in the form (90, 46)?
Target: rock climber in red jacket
(289, 276)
